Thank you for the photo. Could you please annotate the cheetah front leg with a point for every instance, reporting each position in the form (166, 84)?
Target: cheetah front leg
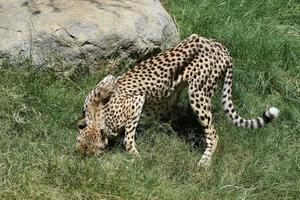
(201, 105)
(134, 111)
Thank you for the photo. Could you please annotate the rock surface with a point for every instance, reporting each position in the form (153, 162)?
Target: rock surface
(80, 31)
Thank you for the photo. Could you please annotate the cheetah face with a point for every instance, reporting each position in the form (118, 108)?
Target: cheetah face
(91, 140)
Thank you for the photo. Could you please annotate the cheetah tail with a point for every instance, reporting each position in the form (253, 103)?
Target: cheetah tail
(231, 113)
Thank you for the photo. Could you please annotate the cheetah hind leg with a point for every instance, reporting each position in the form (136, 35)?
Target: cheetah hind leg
(202, 107)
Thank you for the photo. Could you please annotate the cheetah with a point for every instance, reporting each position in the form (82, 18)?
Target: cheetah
(197, 63)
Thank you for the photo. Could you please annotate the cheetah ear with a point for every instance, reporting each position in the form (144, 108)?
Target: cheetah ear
(105, 88)
(102, 92)
(105, 93)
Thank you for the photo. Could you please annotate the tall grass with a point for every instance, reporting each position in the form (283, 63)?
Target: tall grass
(39, 109)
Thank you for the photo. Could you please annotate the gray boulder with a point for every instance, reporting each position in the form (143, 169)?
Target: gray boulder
(83, 31)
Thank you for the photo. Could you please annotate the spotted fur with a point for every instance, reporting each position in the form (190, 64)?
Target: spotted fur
(154, 85)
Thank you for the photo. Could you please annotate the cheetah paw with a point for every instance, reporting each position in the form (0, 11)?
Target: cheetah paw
(204, 163)
(135, 153)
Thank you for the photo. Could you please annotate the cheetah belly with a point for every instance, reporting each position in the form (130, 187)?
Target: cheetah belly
(163, 102)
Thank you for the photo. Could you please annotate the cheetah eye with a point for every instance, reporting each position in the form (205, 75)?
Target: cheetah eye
(81, 124)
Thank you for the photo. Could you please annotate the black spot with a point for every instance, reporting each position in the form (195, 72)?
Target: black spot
(208, 119)
(252, 124)
(266, 118)
(259, 124)
(247, 123)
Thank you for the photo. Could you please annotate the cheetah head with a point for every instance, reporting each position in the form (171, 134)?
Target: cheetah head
(91, 139)
(92, 135)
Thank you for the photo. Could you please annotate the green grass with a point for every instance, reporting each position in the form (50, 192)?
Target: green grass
(39, 110)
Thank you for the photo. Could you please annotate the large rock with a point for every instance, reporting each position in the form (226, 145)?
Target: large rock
(80, 31)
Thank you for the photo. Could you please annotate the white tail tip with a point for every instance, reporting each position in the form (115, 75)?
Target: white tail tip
(273, 111)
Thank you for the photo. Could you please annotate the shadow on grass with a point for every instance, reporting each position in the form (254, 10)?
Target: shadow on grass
(187, 127)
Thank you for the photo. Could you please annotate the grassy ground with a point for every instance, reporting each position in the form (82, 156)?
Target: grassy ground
(39, 109)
